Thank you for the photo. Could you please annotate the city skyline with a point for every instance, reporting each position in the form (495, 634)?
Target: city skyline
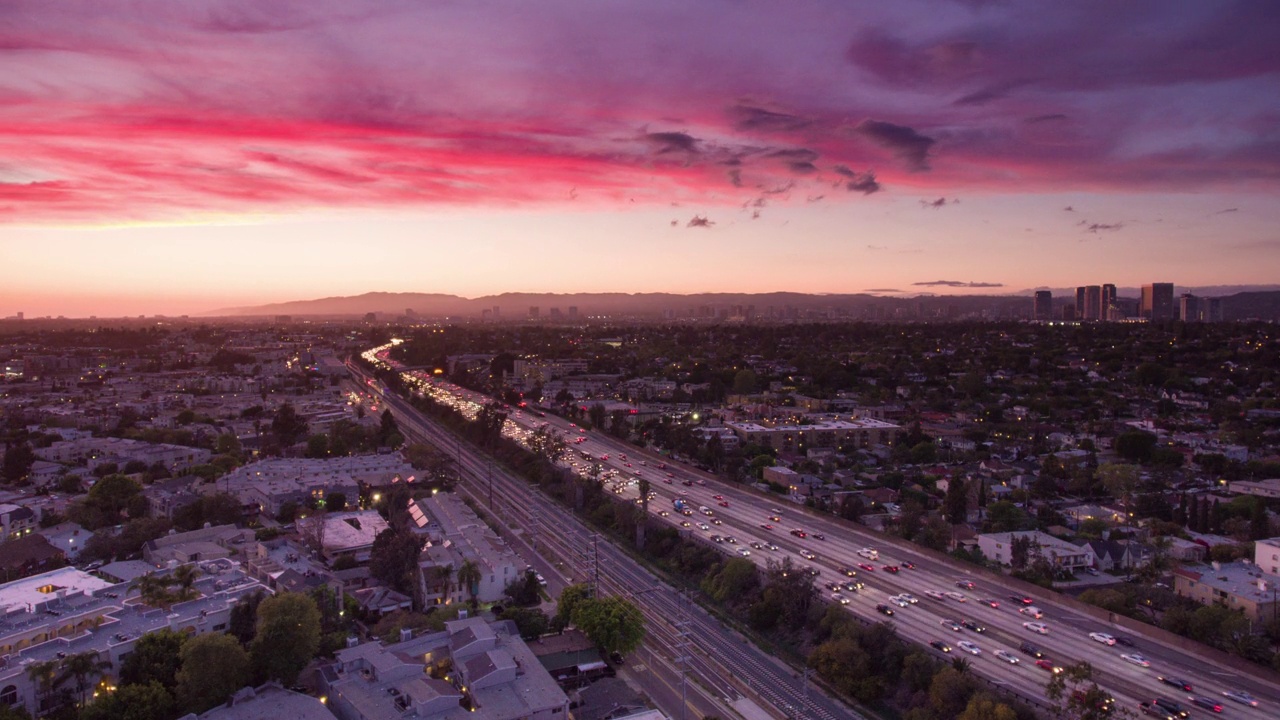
(178, 159)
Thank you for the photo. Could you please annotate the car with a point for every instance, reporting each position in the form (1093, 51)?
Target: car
(724, 503)
(869, 553)
(1154, 710)
(1241, 697)
(972, 626)
(663, 513)
(717, 497)
(867, 567)
(1127, 642)
(1031, 650)
(939, 645)
(775, 518)
(966, 584)
(808, 555)
(541, 580)
(1171, 708)
(686, 523)
(950, 625)
(1136, 659)
(847, 571)
(969, 647)
(1102, 637)
(812, 571)
(884, 609)
(1175, 682)
(1037, 627)
(1205, 702)
(853, 586)
(816, 536)
(909, 598)
(767, 526)
(908, 564)
(744, 552)
(897, 600)
(716, 521)
(953, 595)
(799, 533)
(1022, 599)
(1031, 611)
(990, 602)
(840, 598)
(935, 595)
(890, 568)
(755, 545)
(1046, 665)
(772, 547)
(731, 539)
(834, 587)
(704, 527)
(1008, 657)
(717, 539)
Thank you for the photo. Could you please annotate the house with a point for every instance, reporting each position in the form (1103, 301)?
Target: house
(1059, 553)
(31, 555)
(1241, 586)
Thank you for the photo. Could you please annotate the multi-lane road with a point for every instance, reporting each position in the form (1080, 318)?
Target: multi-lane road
(743, 513)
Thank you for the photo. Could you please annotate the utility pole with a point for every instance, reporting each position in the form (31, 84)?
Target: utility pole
(682, 647)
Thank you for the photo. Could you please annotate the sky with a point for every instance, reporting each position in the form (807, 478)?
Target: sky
(162, 157)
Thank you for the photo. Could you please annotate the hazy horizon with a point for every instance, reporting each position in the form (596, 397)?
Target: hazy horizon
(176, 159)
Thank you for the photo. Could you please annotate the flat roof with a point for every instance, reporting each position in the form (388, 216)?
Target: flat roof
(23, 595)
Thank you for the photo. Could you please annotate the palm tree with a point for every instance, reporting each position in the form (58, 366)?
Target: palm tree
(154, 590)
(82, 666)
(960, 664)
(185, 578)
(469, 577)
(443, 579)
(44, 675)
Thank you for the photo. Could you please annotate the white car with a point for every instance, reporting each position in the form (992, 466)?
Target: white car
(703, 526)
(1036, 627)
(807, 555)
(1033, 611)
(910, 598)
(958, 597)
(969, 647)
(1136, 659)
(1241, 696)
(1008, 657)
(1103, 638)
(899, 601)
(744, 552)
(935, 595)
(869, 553)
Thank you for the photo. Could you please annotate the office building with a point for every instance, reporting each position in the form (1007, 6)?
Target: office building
(1080, 302)
(1069, 312)
(1211, 309)
(1109, 302)
(1043, 308)
(1189, 308)
(1157, 302)
(534, 312)
(1093, 303)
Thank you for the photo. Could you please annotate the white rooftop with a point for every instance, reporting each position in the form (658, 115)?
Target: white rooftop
(23, 595)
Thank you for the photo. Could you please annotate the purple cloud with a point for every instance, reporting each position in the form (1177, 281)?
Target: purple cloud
(906, 144)
(958, 284)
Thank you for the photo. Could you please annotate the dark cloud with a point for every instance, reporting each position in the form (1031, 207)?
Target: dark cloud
(1228, 210)
(779, 189)
(987, 94)
(864, 182)
(674, 223)
(667, 142)
(958, 284)
(1103, 227)
(877, 247)
(906, 144)
(750, 117)
(802, 168)
(883, 290)
(735, 177)
(814, 198)
(1068, 209)
(700, 221)
(935, 204)
(755, 215)
(794, 154)
(1037, 119)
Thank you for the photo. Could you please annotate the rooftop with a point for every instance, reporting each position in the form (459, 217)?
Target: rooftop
(1241, 579)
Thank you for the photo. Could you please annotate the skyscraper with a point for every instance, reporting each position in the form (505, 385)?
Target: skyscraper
(1043, 307)
(1093, 303)
(1080, 304)
(1109, 308)
(1189, 308)
(1157, 302)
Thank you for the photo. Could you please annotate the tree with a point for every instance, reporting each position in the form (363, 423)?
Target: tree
(336, 502)
(957, 501)
(1019, 552)
(524, 590)
(469, 577)
(288, 426)
(154, 590)
(45, 674)
(614, 624)
(644, 488)
(597, 414)
(1135, 445)
(569, 599)
(243, 624)
(532, 622)
(1121, 480)
(83, 666)
(744, 382)
(213, 667)
(18, 459)
(155, 658)
(984, 707)
(147, 701)
(394, 559)
(1076, 696)
(287, 637)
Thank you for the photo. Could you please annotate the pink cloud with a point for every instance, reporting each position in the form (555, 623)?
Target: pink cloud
(172, 109)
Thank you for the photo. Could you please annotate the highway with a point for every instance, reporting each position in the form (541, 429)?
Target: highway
(715, 656)
(747, 511)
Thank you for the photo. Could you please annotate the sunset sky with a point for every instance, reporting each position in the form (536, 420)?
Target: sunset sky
(177, 157)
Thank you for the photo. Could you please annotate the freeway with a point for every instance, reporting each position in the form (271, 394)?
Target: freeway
(742, 513)
(715, 657)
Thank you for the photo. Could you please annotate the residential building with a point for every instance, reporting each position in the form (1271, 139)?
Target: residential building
(454, 536)
(855, 432)
(269, 484)
(1241, 586)
(473, 670)
(1266, 555)
(1059, 553)
(269, 702)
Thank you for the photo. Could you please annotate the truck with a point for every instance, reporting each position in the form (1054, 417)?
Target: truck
(680, 505)
(1163, 708)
